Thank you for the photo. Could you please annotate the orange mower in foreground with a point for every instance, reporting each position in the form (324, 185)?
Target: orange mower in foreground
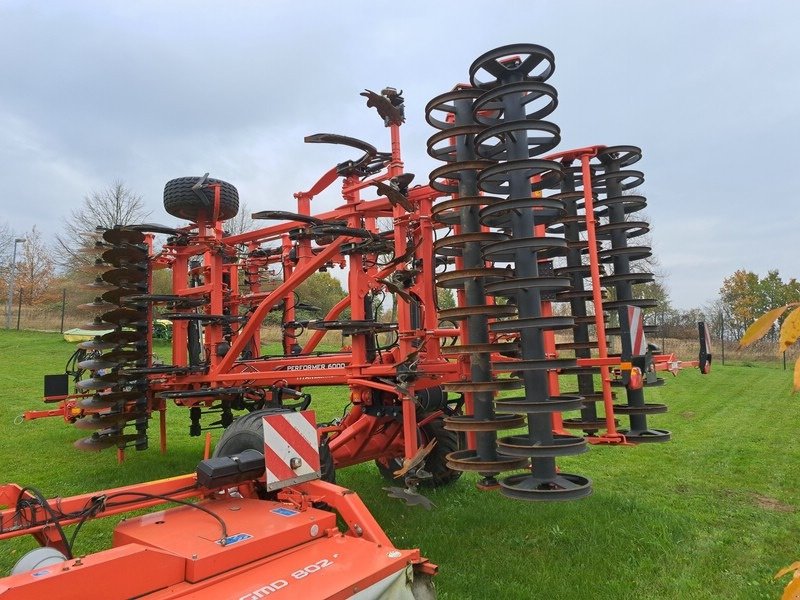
(251, 525)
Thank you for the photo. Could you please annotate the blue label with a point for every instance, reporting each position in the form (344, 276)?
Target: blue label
(40, 573)
(233, 539)
(285, 512)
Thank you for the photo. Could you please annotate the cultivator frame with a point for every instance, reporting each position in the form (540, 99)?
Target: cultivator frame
(219, 301)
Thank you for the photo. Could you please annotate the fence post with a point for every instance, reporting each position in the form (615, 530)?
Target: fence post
(19, 307)
(722, 336)
(63, 307)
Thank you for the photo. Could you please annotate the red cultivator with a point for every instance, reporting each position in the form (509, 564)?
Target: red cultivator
(515, 232)
(401, 376)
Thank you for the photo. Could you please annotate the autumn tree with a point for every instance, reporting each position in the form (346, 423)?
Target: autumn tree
(7, 237)
(36, 269)
(744, 297)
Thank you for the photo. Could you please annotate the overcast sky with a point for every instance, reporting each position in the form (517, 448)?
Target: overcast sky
(91, 92)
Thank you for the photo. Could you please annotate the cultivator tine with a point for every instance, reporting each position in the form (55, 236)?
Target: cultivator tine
(394, 194)
(389, 104)
(415, 461)
(410, 496)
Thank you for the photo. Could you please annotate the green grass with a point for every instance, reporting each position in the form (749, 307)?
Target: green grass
(712, 514)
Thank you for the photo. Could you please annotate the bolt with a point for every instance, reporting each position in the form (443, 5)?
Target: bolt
(295, 463)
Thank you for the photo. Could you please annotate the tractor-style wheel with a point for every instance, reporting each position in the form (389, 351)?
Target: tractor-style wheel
(247, 433)
(436, 462)
(181, 201)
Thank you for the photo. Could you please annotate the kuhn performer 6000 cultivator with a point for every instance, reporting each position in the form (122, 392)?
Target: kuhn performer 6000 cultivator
(516, 231)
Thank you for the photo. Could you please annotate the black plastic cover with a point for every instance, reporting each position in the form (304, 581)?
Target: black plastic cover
(222, 471)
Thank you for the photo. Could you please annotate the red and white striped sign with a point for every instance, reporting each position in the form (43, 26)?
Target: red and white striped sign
(291, 450)
(636, 329)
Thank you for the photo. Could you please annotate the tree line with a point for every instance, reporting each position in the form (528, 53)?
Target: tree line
(44, 268)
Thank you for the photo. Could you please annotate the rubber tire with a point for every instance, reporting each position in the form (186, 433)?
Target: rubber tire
(182, 202)
(247, 433)
(436, 463)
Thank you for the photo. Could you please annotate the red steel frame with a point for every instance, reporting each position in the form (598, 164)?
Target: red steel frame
(359, 436)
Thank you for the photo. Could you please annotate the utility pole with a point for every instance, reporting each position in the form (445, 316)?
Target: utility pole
(12, 276)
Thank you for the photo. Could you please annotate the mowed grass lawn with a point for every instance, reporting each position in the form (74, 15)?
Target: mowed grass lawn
(712, 514)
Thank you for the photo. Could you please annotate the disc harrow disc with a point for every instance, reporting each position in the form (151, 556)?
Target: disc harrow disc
(97, 304)
(96, 442)
(124, 316)
(124, 277)
(119, 236)
(98, 422)
(118, 295)
(124, 255)
(94, 364)
(123, 337)
(122, 355)
(98, 325)
(96, 344)
(99, 284)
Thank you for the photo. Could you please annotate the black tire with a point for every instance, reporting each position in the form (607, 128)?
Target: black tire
(247, 433)
(436, 462)
(182, 202)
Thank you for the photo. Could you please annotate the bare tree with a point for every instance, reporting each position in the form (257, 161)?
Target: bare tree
(242, 222)
(114, 205)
